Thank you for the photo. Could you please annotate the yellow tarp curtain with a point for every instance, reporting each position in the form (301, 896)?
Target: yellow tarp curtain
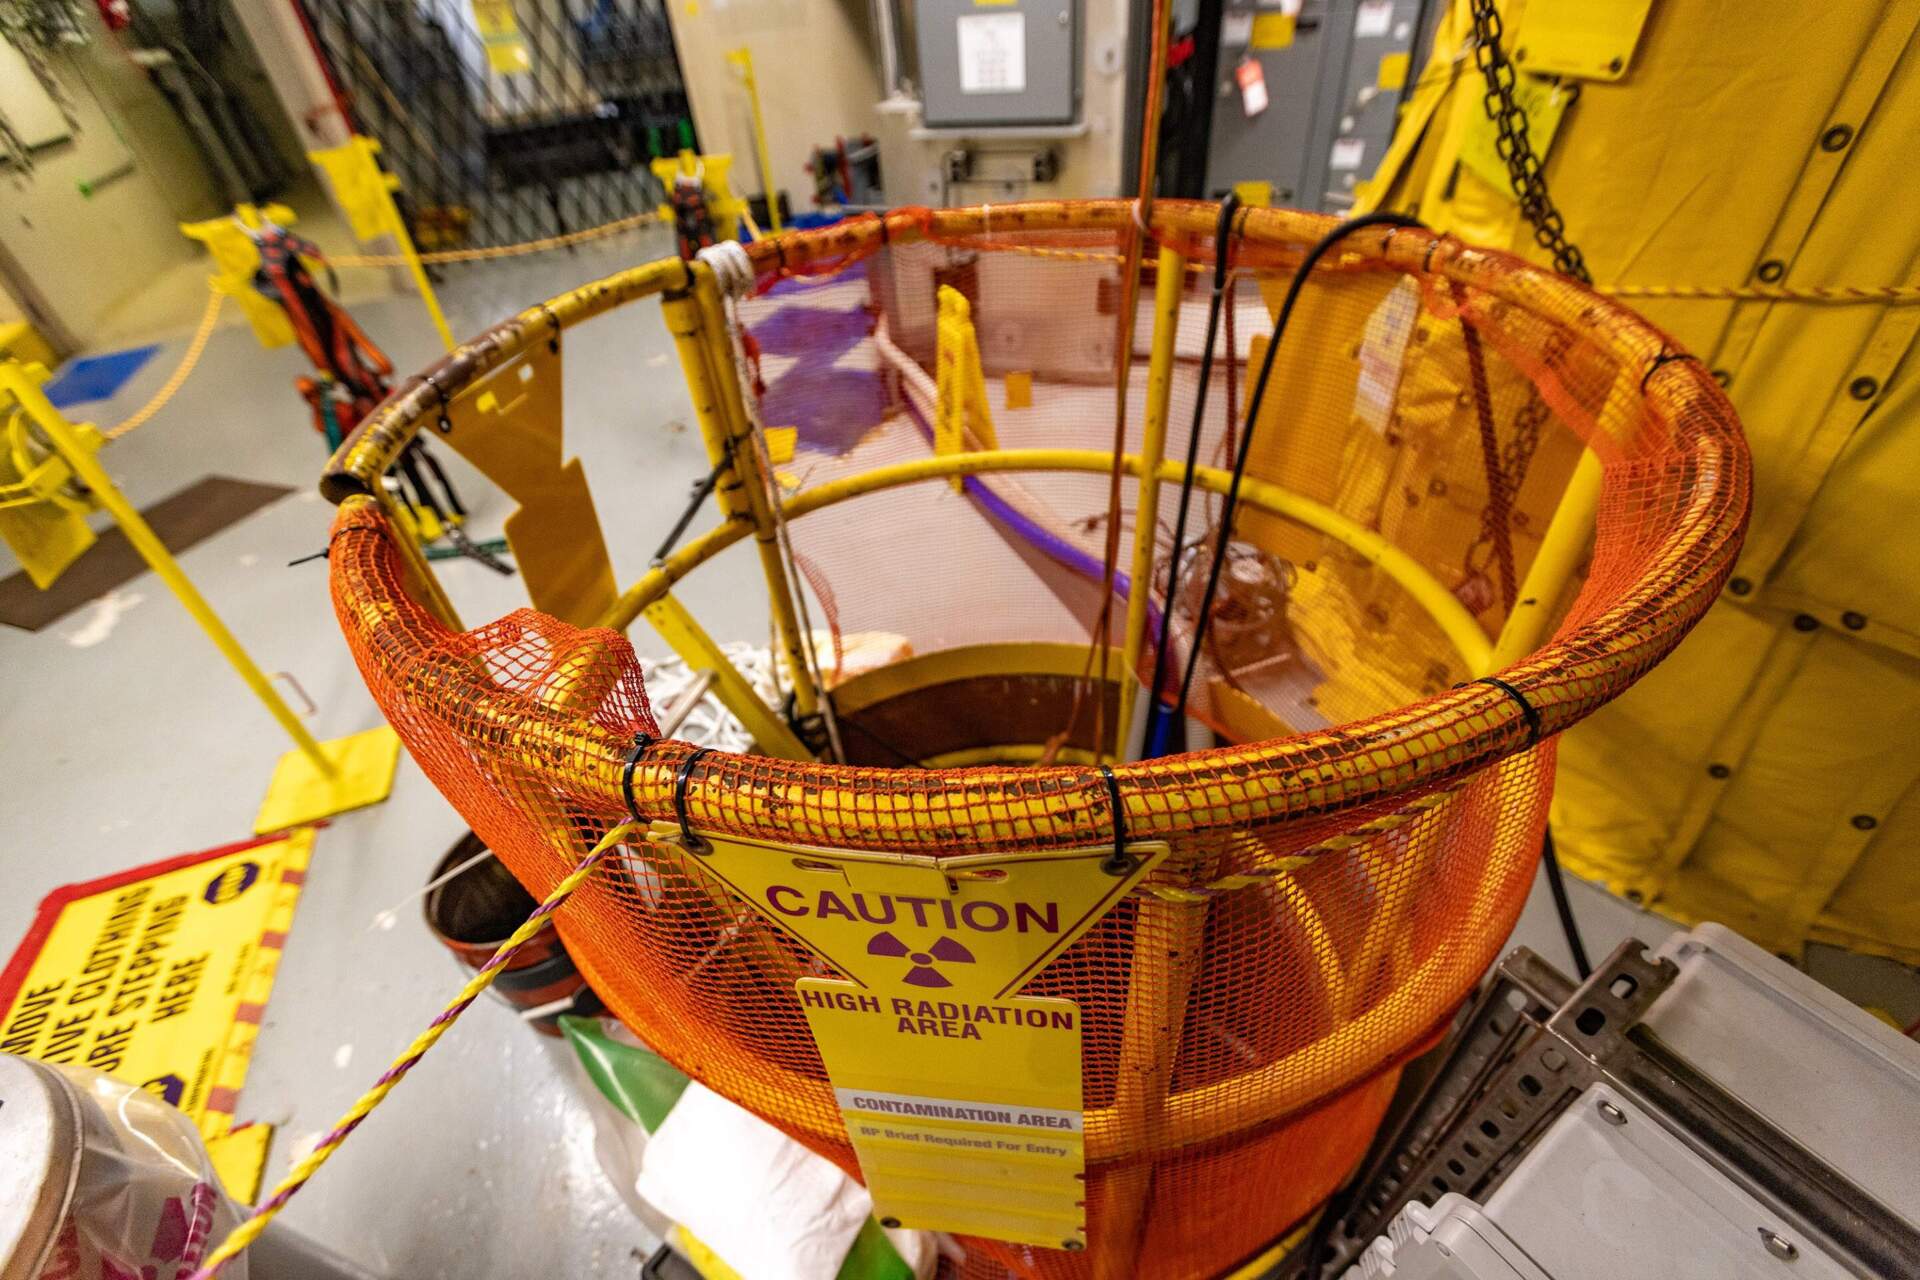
(1765, 776)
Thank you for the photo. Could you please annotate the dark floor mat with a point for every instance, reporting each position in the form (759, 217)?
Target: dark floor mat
(182, 519)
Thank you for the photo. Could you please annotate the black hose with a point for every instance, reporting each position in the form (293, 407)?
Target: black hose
(1155, 740)
(1327, 242)
(1557, 885)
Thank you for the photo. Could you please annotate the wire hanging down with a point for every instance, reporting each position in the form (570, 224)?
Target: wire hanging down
(1159, 726)
(1254, 403)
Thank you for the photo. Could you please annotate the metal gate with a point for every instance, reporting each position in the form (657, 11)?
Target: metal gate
(510, 121)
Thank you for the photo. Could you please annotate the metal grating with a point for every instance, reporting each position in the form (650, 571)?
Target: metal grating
(488, 157)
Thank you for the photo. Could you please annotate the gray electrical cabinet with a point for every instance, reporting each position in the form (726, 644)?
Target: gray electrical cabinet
(1330, 110)
(995, 65)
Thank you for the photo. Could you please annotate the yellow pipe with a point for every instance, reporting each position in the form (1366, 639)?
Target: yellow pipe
(87, 468)
(690, 640)
(753, 485)
(412, 255)
(1169, 282)
(1440, 604)
(743, 58)
(1565, 542)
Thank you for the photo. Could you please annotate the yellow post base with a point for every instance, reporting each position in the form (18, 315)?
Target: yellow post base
(300, 793)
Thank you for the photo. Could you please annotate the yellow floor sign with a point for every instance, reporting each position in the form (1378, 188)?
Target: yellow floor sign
(159, 976)
(961, 1097)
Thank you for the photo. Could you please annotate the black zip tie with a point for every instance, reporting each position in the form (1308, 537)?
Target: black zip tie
(641, 741)
(1119, 862)
(702, 489)
(686, 283)
(1526, 708)
(886, 235)
(1665, 357)
(692, 843)
(323, 553)
(553, 339)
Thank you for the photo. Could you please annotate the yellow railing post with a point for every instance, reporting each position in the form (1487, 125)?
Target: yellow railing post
(316, 779)
(698, 326)
(1568, 534)
(61, 434)
(962, 421)
(1169, 280)
(691, 641)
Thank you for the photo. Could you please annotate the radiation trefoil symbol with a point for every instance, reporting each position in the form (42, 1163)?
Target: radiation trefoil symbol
(922, 974)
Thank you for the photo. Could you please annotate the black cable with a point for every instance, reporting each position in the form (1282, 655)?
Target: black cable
(1327, 242)
(1549, 859)
(700, 491)
(440, 476)
(1557, 886)
(1154, 742)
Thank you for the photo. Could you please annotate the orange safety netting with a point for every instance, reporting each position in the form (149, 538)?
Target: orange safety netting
(1332, 895)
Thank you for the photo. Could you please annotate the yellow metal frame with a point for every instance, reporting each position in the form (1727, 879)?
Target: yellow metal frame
(1459, 625)
(1169, 283)
(690, 640)
(698, 324)
(316, 779)
(1568, 535)
(1420, 755)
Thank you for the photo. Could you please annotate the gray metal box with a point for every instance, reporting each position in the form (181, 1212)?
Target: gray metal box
(998, 64)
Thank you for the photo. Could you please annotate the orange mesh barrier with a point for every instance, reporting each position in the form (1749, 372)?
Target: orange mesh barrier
(1332, 894)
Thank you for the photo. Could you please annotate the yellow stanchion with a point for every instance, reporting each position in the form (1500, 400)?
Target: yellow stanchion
(316, 779)
(742, 59)
(963, 421)
(1169, 281)
(1568, 535)
(365, 192)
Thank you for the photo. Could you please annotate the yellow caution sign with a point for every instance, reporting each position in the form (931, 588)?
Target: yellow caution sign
(159, 976)
(239, 1157)
(960, 1096)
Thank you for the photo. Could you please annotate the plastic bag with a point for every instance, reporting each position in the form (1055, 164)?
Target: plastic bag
(146, 1204)
(642, 1088)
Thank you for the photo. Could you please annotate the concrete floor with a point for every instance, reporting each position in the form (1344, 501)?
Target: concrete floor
(129, 740)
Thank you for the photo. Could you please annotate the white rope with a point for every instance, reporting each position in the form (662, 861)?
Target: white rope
(732, 268)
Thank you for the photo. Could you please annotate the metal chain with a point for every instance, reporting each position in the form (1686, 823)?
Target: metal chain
(1516, 148)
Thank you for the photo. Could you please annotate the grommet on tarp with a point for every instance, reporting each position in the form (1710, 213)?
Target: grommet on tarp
(691, 842)
(1526, 708)
(1119, 862)
(641, 741)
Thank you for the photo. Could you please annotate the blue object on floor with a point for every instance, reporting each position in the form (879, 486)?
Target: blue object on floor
(96, 377)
